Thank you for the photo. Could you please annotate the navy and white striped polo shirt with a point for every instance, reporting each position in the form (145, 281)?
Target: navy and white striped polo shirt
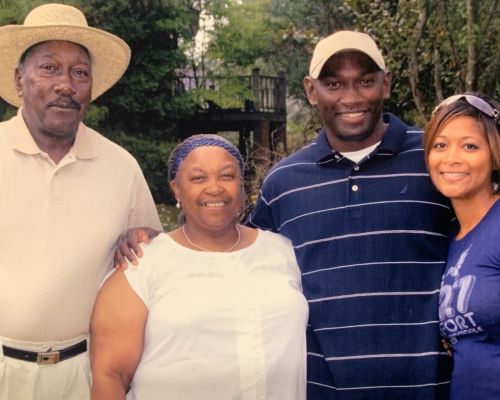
(371, 241)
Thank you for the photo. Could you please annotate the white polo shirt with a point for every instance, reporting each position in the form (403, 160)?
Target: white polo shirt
(58, 229)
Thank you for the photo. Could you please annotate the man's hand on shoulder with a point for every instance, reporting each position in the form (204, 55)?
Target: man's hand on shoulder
(128, 247)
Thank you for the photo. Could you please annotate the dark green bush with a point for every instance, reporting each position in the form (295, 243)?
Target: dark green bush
(152, 158)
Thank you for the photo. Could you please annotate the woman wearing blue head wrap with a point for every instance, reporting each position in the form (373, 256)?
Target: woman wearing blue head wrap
(214, 309)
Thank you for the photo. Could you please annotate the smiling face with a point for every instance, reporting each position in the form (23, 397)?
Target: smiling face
(209, 187)
(55, 83)
(460, 161)
(349, 95)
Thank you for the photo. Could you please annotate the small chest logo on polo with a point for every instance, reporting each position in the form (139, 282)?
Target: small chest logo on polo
(456, 319)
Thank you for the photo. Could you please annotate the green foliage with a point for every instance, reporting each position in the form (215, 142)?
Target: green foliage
(144, 101)
(275, 35)
(12, 12)
(393, 35)
(169, 215)
(153, 160)
(286, 32)
(95, 116)
(272, 35)
(244, 32)
(301, 24)
(441, 52)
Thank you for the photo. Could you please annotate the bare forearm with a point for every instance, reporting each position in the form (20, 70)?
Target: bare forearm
(117, 336)
(108, 387)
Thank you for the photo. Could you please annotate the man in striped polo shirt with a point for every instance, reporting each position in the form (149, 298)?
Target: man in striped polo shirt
(369, 231)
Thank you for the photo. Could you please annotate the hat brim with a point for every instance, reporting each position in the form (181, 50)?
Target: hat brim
(109, 54)
(316, 71)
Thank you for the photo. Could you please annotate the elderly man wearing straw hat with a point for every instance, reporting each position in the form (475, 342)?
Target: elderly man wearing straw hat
(66, 195)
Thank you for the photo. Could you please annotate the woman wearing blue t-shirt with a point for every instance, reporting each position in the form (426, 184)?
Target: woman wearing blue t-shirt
(462, 150)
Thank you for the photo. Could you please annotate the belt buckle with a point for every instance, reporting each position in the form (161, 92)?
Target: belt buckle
(48, 357)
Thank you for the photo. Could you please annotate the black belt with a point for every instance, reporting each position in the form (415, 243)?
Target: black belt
(46, 357)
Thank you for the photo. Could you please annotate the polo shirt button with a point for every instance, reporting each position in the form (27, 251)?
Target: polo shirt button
(354, 188)
(356, 168)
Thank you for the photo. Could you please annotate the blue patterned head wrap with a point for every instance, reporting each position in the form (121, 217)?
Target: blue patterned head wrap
(182, 150)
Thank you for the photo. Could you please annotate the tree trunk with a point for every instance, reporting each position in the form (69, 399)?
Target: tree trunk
(436, 60)
(470, 77)
(413, 60)
(453, 48)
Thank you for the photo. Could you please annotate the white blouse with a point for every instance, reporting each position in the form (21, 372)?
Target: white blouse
(221, 326)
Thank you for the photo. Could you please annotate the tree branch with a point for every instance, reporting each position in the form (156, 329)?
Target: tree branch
(413, 60)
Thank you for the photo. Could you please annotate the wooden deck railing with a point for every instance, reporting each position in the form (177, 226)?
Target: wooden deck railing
(265, 94)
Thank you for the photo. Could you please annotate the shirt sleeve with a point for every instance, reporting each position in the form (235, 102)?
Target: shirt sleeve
(139, 279)
(295, 266)
(143, 211)
(146, 277)
(262, 215)
(292, 262)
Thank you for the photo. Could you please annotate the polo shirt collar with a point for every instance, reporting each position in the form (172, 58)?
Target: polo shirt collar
(392, 141)
(324, 154)
(84, 146)
(20, 139)
(395, 135)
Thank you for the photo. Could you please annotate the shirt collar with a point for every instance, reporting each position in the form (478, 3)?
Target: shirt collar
(20, 139)
(392, 141)
(395, 135)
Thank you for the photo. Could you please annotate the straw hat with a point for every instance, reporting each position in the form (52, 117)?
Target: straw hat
(109, 54)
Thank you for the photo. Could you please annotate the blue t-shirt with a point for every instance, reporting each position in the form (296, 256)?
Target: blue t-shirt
(469, 310)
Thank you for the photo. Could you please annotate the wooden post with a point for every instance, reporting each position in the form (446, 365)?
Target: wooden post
(256, 88)
(262, 144)
(280, 135)
(278, 140)
(281, 92)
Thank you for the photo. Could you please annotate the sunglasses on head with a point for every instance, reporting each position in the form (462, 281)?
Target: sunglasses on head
(476, 102)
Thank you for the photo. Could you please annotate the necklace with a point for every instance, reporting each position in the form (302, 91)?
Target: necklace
(236, 243)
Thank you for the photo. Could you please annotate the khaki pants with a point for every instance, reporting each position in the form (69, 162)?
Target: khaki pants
(25, 380)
